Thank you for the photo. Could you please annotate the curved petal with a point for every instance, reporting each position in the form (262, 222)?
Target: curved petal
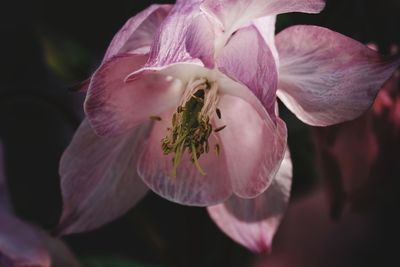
(138, 32)
(234, 14)
(266, 27)
(189, 187)
(253, 67)
(104, 171)
(185, 36)
(254, 146)
(327, 78)
(20, 243)
(253, 222)
(114, 106)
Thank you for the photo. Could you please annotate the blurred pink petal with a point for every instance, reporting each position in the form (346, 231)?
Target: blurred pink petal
(22, 244)
(319, 90)
(96, 186)
(253, 222)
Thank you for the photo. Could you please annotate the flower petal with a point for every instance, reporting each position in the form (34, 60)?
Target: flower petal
(114, 106)
(266, 27)
(253, 67)
(20, 243)
(327, 78)
(189, 187)
(254, 146)
(253, 222)
(138, 32)
(185, 36)
(234, 14)
(103, 168)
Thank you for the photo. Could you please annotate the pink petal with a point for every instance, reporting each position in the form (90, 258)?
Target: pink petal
(327, 78)
(114, 106)
(253, 222)
(234, 14)
(253, 67)
(104, 170)
(138, 32)
(266, 27)
(189, 187)
(185, 36)
(254, 146)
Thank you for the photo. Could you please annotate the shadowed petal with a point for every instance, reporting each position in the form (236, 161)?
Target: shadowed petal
(254, 146)
(234, 14)
(20, 243)
(327, 78)
(266, 27)
(253, 222)
(138, 32)
(189, 187)
(253, 67)
(114, 106)
(104, 170)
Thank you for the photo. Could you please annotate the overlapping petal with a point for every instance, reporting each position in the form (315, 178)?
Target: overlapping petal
(254, 67)
(235, 13)
(98, 178)
(254, 146)
(253, 222)
(189, 187)
(327, 78)
(114, 106)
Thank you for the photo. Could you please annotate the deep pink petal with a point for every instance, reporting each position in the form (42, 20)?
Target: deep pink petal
(138, 32)
(327, 78)
(234, 14)
(189, 187)
(253, 222)
(99, 181)
(253, 67)
(254, 146)
(114, 106)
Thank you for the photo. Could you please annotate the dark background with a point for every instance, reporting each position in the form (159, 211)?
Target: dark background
(49, 46)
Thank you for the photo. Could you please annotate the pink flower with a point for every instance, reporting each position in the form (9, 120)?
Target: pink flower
(22, 244)
(185, 101)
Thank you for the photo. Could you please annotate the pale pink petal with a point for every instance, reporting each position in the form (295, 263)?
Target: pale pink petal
(99, 181)
(266, 27)
(253, 222)
(253, 67)
(327, 78)
(234, 14)
(114, 106)
(254, 146)
(138, 32)
(189, 187)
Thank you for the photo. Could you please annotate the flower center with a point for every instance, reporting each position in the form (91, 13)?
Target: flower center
(191, 127)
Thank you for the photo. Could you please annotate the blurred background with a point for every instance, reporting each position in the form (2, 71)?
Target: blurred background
(334, 219)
